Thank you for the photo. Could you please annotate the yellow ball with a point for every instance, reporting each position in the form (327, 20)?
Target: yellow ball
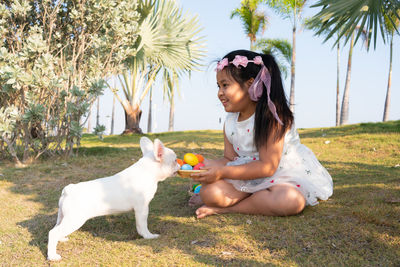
(190, 159)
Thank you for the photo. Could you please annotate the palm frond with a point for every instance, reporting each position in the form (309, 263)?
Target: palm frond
(168, 40)
(253, 20)
(391, 22)
(286, 8)
(281, 49)
(343, 17)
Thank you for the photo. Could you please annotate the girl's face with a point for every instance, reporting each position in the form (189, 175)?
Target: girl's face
(233, 96)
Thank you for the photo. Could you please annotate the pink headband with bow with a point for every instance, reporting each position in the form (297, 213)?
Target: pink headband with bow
(256, 89)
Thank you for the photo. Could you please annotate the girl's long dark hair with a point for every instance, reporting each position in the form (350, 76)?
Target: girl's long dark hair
(264, 122)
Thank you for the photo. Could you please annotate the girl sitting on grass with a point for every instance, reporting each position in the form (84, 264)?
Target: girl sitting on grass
(265, 169)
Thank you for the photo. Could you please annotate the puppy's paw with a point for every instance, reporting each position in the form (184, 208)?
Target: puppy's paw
(54, 257)
(150, 236)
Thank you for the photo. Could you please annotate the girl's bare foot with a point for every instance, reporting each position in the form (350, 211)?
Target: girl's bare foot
(195, 200)
(204, 211)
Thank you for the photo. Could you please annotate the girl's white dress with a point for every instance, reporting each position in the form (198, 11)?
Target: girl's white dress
(298, 165)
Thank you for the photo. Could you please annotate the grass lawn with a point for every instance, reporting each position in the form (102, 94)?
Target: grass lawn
(358, 226)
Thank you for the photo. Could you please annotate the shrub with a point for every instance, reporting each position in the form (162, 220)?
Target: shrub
(54, 59)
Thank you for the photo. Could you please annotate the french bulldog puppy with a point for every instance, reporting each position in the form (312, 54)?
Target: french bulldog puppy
(130, 189)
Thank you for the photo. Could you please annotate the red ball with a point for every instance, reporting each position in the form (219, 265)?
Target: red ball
(198, 166)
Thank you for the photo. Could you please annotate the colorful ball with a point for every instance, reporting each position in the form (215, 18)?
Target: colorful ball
(194, 186)
(196, 189)
(186, 167)
(200, 158)
(198, 166)
(190, 159)
(180, 162)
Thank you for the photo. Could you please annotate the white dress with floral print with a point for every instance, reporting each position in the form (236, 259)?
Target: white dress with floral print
(298, 165)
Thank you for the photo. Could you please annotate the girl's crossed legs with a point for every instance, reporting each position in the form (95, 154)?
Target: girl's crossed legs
(277, 200)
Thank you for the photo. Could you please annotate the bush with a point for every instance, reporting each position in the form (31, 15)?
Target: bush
(54, 57)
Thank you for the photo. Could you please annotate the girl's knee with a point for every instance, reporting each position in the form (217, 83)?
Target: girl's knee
(212, 195)
(296, 202)
(220, 194)
(291, 201)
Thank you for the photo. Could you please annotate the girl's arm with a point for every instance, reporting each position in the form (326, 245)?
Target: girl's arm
(229, 155)
(270, 155)
(269, 158)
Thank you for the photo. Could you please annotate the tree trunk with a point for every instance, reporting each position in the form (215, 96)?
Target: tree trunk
(89, 118)
(387, 100)
(12, 151)
(344, 115)
(292, 70)
(171, 113)
(149, 120)
(98, 112)
(132, 118)
(112, 116)
(338, 86)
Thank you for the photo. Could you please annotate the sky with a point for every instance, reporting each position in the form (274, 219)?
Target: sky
(198, 108)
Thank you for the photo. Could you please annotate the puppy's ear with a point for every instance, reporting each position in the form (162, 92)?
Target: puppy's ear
(146, 145)
(159, 150)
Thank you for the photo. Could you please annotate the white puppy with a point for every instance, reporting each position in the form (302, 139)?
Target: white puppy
(130, 189)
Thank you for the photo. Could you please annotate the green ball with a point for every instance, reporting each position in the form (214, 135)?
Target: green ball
(194, 186)
(196, 190)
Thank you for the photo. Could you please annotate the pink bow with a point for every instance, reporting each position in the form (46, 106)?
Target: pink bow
(256, 90)
(240, 61)
(257, 60)
(222, 64)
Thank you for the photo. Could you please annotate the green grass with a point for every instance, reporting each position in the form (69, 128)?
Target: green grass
(358, 226)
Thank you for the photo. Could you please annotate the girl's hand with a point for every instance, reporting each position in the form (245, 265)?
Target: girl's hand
(212, 173)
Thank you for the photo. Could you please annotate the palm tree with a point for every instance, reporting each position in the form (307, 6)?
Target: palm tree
(150, 116)
(168, 40)
(172, 73)
(315, 24)
(253, 20)
(89, 118)
(389, 30)
(337, 117)
(281, 49)
(98, 112)
(171, 81)
(344, 113)
(112, 116)
(290, 9)
(344, 16)
(357, 16)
